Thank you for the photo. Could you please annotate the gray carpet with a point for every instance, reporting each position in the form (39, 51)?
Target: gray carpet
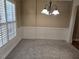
(44, 49)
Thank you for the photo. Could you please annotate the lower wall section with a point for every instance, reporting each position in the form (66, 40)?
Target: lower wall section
(5, 50)
(33, 33)
(44, 33)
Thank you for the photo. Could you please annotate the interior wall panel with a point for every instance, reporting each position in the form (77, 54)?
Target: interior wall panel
(28, 12)
(31, 14)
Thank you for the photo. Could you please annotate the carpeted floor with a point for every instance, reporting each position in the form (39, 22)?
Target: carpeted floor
(44, 49)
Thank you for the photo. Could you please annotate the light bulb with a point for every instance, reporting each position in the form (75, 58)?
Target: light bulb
(55, 12)
(45, 11)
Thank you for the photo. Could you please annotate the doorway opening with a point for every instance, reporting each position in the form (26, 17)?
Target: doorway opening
(75, 36)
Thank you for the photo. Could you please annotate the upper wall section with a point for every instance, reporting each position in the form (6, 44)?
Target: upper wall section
(28, 12)
(31, 14)
(18, 12)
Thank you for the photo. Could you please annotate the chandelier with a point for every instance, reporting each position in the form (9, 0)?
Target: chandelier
(50, 9)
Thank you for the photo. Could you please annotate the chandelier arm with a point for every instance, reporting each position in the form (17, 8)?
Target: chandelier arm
(50, 6)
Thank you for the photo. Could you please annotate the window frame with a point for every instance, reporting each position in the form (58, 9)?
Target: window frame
(6, 23)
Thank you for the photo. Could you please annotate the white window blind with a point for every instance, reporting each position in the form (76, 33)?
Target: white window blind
(11, 19)
(7, 21)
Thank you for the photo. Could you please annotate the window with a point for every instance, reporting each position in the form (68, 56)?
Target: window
(7, 21)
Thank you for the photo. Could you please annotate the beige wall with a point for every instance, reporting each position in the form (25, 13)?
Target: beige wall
(28, 12)
(31, 17)
(18, 12)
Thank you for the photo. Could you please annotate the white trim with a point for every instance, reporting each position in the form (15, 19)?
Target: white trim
(44, 33)
(72, 20)
(62, 0)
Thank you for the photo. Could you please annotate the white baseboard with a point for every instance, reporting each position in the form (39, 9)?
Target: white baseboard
(44, 33)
